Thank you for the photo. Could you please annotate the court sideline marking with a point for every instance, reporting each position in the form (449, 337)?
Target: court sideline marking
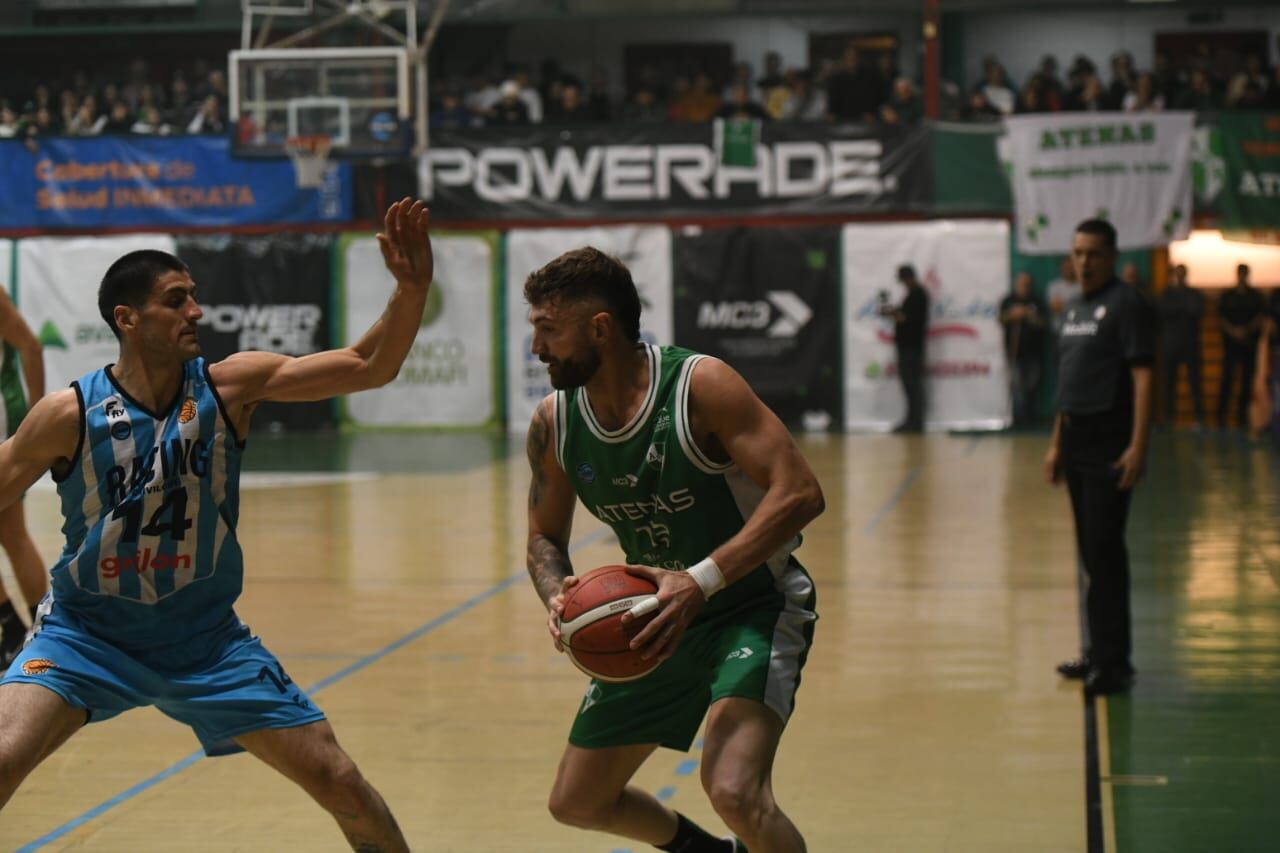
(369, 659)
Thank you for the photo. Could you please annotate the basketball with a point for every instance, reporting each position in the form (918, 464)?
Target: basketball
(591, 626)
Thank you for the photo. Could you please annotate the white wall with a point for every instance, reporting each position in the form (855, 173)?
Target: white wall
(1020, 39)
(580, 44)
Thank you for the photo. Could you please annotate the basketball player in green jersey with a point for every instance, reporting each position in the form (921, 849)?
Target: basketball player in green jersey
(707, 494)
(18, 344)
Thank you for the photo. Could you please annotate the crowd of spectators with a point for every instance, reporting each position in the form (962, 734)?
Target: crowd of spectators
(861, 87)
(193, 101)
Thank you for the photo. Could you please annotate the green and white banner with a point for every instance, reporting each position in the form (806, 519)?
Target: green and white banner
(645, 249)
(58, 280)
(448, 378)
(1131, 169)
(1236, 170)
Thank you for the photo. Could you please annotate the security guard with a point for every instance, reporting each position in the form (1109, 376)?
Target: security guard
(1099, 444)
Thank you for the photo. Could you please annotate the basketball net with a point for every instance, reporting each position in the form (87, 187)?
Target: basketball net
(310, 156)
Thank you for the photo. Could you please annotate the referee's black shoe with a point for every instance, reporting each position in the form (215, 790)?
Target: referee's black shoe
(1077, 668)
(1105, 680)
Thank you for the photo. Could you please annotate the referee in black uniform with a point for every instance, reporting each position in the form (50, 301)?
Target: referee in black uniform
(1099, 444)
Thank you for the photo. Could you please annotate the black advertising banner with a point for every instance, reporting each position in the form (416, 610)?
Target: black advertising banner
(767, 301)
(268, 292)
(629, 171)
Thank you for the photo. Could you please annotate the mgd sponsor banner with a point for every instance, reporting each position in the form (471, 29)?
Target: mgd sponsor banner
(157, 182)
(645, 249)
(448, 378)
(663, 171)
(1130, 169)
(270, 293)
(58, 280)
(767, 301)
(965, 267)
(1236, 170)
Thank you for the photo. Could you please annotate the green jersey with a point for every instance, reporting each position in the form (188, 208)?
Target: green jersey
(669, 505)
(13, 400)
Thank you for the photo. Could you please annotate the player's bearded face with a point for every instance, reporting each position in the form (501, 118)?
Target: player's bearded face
(572, 371)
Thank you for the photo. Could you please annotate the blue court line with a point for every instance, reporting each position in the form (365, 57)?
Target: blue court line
(374, 657)
(973, 445)
(686, 767)
(893, 499)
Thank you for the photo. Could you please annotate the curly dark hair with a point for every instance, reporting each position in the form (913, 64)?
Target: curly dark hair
(589, 274)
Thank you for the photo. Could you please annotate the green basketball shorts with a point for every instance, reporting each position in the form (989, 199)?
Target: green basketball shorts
(753, 651)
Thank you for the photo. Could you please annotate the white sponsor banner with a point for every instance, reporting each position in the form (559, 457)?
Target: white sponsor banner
(645, 249)
(1134, 170)
(964, 266)
(448, 377)
(58, 279)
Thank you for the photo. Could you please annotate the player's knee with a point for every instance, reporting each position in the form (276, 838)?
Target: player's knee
(339, 784)
(739, 804)
(579, 812)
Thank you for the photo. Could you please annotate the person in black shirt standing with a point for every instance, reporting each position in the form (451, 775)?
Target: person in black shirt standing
(1242, 312)
(909, 322)
(1024, 317)
(1099, 444)
(1181, 308)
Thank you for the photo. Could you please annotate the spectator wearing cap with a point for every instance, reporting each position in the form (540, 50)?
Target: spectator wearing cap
(510, 110)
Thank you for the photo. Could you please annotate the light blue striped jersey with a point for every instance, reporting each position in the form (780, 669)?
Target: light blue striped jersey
(150, 506)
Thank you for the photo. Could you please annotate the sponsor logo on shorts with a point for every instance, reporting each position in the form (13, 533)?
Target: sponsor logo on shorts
(188, 412)
(38, 666)
(740, 654)
(593, 696)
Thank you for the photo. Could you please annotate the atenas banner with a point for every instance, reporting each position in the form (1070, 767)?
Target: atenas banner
(450, 375)
(1130, 169)
(645, 249)
(57, 292)
(270, 293)
(964, 265)
(1236, 170)
(619, 171)
(767, 302)
(152, 182)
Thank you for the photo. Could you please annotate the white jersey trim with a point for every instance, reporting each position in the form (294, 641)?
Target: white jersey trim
(559, 423)
(683, 432)
(632, 427)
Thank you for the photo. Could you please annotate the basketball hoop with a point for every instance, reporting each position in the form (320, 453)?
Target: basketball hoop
(310, 156)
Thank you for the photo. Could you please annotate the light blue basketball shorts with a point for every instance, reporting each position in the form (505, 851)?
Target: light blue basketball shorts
(245, 688)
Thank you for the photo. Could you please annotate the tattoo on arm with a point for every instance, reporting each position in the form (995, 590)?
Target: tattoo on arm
(536, 447)
(548, 566)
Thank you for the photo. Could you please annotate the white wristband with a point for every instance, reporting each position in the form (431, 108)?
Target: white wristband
(708, 576)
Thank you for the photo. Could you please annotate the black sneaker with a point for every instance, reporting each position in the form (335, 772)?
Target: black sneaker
(1077, 668)
(1103, 681)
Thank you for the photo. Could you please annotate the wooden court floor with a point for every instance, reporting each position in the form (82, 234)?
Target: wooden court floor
(386, 572)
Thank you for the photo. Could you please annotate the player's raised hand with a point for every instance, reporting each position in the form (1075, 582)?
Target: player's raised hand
(679, 598)
(405, 241)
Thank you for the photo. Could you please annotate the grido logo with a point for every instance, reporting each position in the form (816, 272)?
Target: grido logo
(791, 314)
(286, 329)
(505, 174)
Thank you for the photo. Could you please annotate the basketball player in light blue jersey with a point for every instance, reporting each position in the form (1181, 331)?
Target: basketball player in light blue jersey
(146, 455)
(21, 359)
(707, 494)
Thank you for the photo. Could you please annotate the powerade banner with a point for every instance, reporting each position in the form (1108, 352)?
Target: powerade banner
(645, 249)
(117, 182)
(619, 171)
(767, 301)
(270, 293)
(964, 265)
(1132, 169)
(450, 375)
(1236, 170)
(58, 280)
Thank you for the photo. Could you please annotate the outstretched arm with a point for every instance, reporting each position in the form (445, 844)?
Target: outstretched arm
(48, 438)
(551, 500)
(248, 378)
(725, 411)
(14, 330)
